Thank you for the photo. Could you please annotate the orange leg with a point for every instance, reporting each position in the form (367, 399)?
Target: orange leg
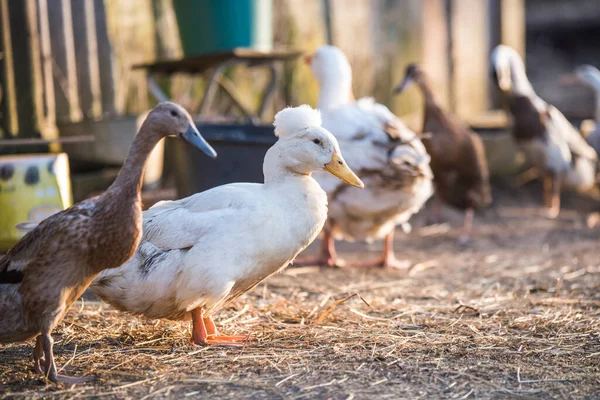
(388, 258)
(46, 343)
(204, 332)
(38, 353)
(552, 196)
(327, 256)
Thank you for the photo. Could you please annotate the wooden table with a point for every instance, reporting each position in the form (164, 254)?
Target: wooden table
(218, 62)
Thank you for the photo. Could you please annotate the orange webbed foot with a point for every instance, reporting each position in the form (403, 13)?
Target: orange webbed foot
(222, 340)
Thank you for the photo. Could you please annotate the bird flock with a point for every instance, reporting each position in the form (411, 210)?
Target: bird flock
(349, 168)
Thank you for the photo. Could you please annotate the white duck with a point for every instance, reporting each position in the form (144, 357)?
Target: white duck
(550, 142)
(386, 155)
(199, 253)
(590, 77)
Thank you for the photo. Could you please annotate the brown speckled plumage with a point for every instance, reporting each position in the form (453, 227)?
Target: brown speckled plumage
(458, 160)
(56, 262)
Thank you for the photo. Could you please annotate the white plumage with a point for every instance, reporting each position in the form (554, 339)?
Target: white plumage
(590, 76)
(202, 251)
(549, 141)
(388, 157)
(303, 117)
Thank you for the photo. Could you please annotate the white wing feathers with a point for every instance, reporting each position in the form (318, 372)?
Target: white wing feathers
(559, 125)
(365, 131)
(179, 224)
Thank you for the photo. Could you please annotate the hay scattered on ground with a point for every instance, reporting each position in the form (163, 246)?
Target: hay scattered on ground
(516, 314)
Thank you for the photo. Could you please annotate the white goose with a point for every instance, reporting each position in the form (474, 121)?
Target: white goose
(201, 252)
(590, 76)
(550, 142)
(387, 156)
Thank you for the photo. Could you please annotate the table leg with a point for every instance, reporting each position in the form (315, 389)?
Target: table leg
(211, 88)
(155, 89)
(269, 91)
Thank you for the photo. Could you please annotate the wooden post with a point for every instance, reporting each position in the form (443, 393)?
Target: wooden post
(23, 32)
(470, 57)
(105, 60)
(436, 45)
(47, 70)
(166, 36)
(63, 56)
(507, 26)
(407, 18)
(512, 17)
(86, 53)
(9, 120)
(328, 23)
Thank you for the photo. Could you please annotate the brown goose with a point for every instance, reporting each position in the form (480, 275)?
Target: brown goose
(552, 145)
(458, 161)
(51, 266)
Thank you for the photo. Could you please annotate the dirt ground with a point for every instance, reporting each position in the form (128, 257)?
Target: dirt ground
(516, 314)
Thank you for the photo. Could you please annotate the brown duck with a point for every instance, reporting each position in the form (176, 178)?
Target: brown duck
(51, 266)
(458, 161)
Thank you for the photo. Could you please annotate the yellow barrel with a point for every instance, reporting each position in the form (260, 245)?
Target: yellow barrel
(32, 187)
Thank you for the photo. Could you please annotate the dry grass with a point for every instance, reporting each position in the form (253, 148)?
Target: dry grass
(515, 315)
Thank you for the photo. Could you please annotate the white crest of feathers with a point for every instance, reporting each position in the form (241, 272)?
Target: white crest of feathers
(291, 120)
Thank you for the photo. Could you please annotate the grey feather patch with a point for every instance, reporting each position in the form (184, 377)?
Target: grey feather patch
(151, 256)
(102, 282)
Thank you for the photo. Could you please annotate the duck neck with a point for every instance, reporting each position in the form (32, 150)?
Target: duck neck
(594, 83)
(520, 83)
(335, 92)
(276, 173)
(130, 178)
(428, 95)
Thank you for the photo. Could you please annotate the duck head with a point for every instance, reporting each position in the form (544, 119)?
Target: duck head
(170, 119)
(413, 74)
(509, 72)
(332, 71)
(587, 75)
(305, 147)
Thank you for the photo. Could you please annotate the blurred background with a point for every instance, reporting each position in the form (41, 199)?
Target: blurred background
(77, 76)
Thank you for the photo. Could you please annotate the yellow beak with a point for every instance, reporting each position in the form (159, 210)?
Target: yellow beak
(338, 167)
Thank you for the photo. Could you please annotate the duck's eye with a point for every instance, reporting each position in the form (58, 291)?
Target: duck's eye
(317, 141)
(174, 113)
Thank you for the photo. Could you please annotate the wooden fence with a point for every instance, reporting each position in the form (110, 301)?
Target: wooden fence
(69, 60)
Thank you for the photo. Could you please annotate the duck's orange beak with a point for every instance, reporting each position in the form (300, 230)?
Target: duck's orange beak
(338, 167)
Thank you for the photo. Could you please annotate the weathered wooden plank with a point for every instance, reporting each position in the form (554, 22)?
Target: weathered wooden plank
(86, 53)
(436, 46)
(8, 102)
(47, 67)
(470, 43)
(404, 23)
(132, 38)
(512, 16)
(23, 30)
(63, 56)
(106, 62)
(506, 26)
